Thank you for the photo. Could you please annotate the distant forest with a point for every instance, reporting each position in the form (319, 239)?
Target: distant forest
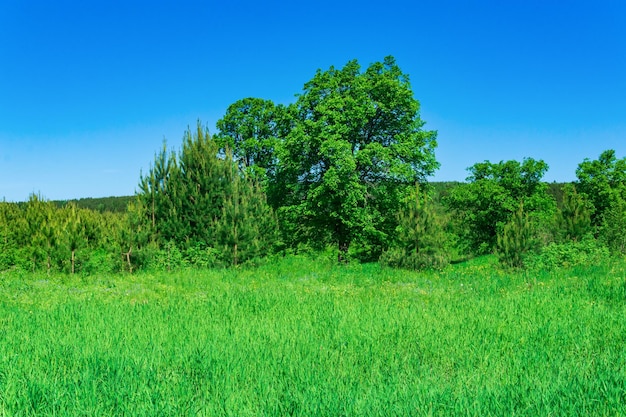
(119, 204)
(101, 205)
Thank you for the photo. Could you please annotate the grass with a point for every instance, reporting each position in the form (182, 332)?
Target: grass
(306, 338)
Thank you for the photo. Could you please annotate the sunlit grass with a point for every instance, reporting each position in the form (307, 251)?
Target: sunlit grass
(302, 337)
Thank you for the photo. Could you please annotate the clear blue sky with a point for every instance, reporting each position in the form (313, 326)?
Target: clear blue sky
(89, 89)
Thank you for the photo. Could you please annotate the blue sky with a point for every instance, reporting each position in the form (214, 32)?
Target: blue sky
(89, 89)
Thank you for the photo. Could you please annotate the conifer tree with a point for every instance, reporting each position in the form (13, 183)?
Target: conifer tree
(73, 232)
(207, 203)
(421, 241)
(42, 230)
(131, 233)
(200, 188)
(246, 228)
(574, 216)
(155, 192)
(516, 239)
(12, 232)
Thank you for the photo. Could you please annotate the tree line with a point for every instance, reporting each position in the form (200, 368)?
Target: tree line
(344, 169)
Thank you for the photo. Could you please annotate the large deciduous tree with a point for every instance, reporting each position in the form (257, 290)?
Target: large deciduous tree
(355, 145)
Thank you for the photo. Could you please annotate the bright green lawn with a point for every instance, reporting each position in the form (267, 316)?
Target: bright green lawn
(308, 338)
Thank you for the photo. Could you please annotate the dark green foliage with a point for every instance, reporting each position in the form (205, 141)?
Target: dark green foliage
(613, 228)
(246, 228)
(356, 143)
(73, 233)
(42, 231)
(557, 190)
(205, 205)
(516, 239)
(41, 235)
(333, 170)
(494, 192)
(131, 235)
(252, 129)
(156, 195)
(198, 190)
(421, 241)
(573, 216)
(13, 235)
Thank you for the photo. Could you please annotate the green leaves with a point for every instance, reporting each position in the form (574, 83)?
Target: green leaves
(574, 216)
(493, 194)
(251, 129)
(603, 181)
(354, 133)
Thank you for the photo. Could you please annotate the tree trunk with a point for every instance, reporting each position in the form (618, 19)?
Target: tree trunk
(343, 243)
(342, 256)
(127, 256)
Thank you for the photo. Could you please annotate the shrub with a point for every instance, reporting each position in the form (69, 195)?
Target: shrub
(201, 256)
(100, 261)
(586, 252)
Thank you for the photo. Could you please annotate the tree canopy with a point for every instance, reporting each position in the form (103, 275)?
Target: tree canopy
(356, 143)
(251, 129)
(493, 194)
(603, 181)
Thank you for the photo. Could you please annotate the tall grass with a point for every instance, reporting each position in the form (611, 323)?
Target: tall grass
(302, 337)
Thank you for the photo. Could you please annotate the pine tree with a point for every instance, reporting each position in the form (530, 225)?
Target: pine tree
(421, 241)
(12, 230)
(516, 239)
(73, 235)
(200, 188)
(155, 193)
(246, 228)
(574, 217)
(42, 231)
(206, 203)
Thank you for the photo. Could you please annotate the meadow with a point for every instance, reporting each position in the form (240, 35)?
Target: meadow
(308, 337)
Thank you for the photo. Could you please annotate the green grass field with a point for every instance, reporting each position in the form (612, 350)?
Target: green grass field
(309, 338)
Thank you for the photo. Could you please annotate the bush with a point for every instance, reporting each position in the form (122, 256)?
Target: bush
(569, 254)
(201, 256)
(100, 261)
(167, 258)
(417, 261)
